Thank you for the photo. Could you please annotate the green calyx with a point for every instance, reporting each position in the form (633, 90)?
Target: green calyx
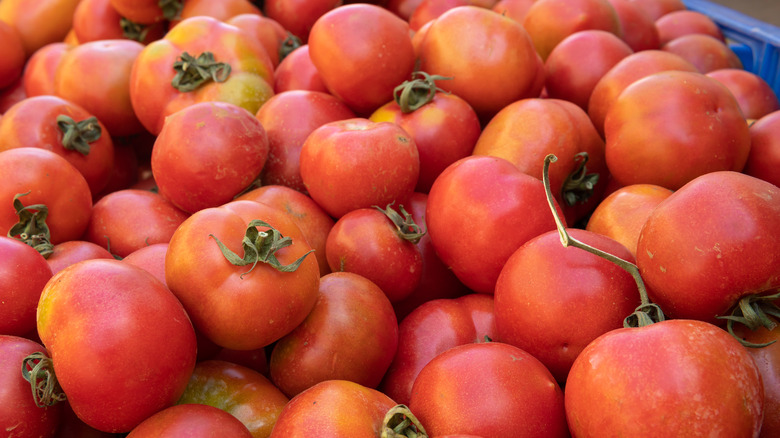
(407, 228)
(399, 422)
(261, 247)
(193, 72)
(289, 44)
(754, 311)
(38, 370)
(132, 30)
(579, 185)
(32, 228)
(418, 91)
(76, 136)
(171, 8)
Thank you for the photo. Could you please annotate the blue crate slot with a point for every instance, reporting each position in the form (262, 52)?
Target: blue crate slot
(757, 44)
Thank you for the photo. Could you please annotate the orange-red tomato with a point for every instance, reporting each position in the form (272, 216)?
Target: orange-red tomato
(14, 57)
(39, 23)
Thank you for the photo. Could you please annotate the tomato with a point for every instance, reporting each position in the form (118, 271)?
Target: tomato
(673, 126)
(429, 10)
(765, 148)
(65, 128)
(42, 177)
(20, 417)
(357, 163)
(455, 46)
(23, 273)
(340, 407)
(190, 420)
(480, 210)
(209, 165)
(639, 30)
(245, 394)
(655, 9)
(38, 76)
(705, 52)
(150, 258)
(222, 10)
(96, 315)
(12, 63)
(431, 329)
(39, 23)
(297, 72)
(127, 220)
(710, 243)
(299, 16)
(165, 77)
(754, 95)
(265, 29)
(288, 118)
(252, 304)
(688, 377)
(74, 251)
(525, 399)
(684, 22)
(351, 334)
(147, 11)
(362, 51)
(95, 20)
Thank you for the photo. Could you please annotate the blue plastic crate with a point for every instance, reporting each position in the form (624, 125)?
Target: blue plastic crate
(757, 44)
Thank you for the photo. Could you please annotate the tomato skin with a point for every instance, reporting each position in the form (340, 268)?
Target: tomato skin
(710, 243)
(351, 334)
(684, 22)
(297, 72)
(639, 30)
(525, 399)
(239, 391)
(705, 52)
(192, 420)
(222, 10)
(12, 63)
(150, 258)
(766, 359)
(431, 329)
(765, 148)
(340, 407)
(754, 95)
(264, 304)
(509, 207)
(267, 30)
(23, 274)
(695, 380)
(38, 76)
(299, 16)
(87, 325)
(95, 20)
(41, 23)
(74, 251)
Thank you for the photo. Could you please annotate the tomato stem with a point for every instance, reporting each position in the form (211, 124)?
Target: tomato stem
(399, 422)
(193, 72)
(38, 369)
(289, 44)
(407, 228)
(754, 311)
(171, 8)
(132, 30)
(32, 228)
(416, 92)
(578, 186)
(646, 313)
(78, 135)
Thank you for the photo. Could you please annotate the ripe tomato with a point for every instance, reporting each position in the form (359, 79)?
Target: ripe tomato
(267, 30)
(96, 315)
(655, 9)
(222, 10)
(23, 274)
(38, 76)
(429, 10)
(147, 11)
(297, 72)
(95, 20)
(12, 62)
(764, 154)
(39, 23)
(74, 251)
(151, 259)
(705, 52)
(754, 95)
(190, 420)
(299, 16)
(684, 22)
(639, 30)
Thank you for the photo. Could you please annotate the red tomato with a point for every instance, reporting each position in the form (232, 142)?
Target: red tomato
(249, 305)
(695, 380)
(208, 166)
(514, 9)
(74, 251)
(23, 274)
(147, 11)
(357, 163)
(710, 243)
(38, 23)
(97, 314)
(429, 10)
(673, 126)
(657, 8)
(20, 417)
(754, 95)
(222, 10)
(431, 329)
(297, 72)
(38, 76)
(267, 30)
(684, 22)
(766, 359)
(639, 30)
(191, 420)
(764, 156)
(362, 51)
(95, 20)
(150, 258)
(299, 16)
(705, 52)
(12, 62)
(350, 334)
(524, 399)
(246, 394)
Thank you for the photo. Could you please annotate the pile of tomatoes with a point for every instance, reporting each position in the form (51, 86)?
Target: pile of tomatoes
(442, 218)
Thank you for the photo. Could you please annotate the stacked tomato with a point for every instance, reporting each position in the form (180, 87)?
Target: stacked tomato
(471, 218)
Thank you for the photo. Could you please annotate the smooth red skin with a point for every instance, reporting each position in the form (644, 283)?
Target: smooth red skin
(33, 123)
(480, 210)
(95, 20)
(23, 274)
(766, 359)
(297, 72)
(685, 123)
(74, 251)
(207, 153)
(524, 399)
(96, 315)
(299, 16)
(429, 10)
(622, 213)
(12, 63)
(139, 11)
(82, 78)
(267, 30)
(51, 181)
(357, 163)
(627, 71)
(444, 130)
(362, 51)
(683, 22)
(351, 334)
(754, 95)
(694, 379)
(312, 220)
(431, 329)
(548, 22)
(40, 23)
(128, 220)
(514, 9)
(340, 407)
(710, 243)
(454, 46)
(38, 76)
(19, 415)
(437, 280)
(655, 9)
(577, 63)
(191, 420)
(366, 242)
(638, 29)
(526, 131)
(265, 304)
(544, 284)
(150, 258)
(238, 390)
(288, 119)
(705, 52)
(764, 156)
(222, 10)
